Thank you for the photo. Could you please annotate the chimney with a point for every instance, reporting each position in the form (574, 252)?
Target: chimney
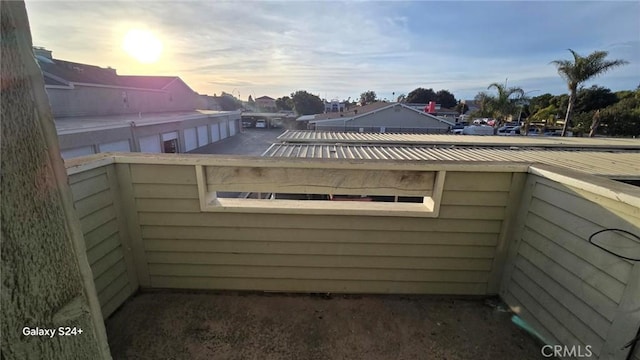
(42, 52)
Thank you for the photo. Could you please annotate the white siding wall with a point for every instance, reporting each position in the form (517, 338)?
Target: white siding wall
(187, 248)
(97, 204)
(570, 291)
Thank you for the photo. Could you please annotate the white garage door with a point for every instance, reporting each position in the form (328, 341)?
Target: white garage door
(150, 144)
(223, 130)
(190, 139)
(232, 127)
(115, 146)
(215, 132)
(203, 137)
(76, 152)
(170, 136)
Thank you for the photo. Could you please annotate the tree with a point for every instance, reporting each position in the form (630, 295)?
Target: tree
(368, 97)
(284, 103)
(483, 99)
(580, 70)
(446, 99)
(594, 98)
(504, 104)
(402, 98)
(421, 96)
(305, 103)
(621, 118)
(461, 107)
(546, 115)
(228, 102)
(250, 100)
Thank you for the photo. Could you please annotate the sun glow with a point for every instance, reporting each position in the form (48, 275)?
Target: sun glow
(142, 45)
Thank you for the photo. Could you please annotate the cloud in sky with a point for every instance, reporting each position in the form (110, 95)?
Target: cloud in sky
(340, 49)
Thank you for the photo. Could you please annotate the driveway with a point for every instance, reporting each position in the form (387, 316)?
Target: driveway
(250, 142)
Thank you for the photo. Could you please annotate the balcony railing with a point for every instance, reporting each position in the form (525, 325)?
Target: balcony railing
(514, 229)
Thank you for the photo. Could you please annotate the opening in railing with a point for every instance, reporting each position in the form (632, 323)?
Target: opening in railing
(321, 191)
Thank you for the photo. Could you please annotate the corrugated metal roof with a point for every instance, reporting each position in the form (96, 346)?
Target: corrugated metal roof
(306, 136)
(619, 165)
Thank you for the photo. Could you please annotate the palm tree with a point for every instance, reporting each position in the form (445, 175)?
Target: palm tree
(579, 71)
(504, 104)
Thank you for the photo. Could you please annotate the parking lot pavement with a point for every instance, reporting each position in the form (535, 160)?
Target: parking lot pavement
(250, 142)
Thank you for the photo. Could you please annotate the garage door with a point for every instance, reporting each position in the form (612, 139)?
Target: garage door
(215, 132)
(223, 130)
(150, 144)
(115, 146)
(76, 152)
(203, 137)
(190, 139)
(232, 127)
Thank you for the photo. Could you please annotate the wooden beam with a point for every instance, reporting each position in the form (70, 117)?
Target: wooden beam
(320, 181)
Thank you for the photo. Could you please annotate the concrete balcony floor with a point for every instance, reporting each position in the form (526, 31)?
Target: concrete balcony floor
(229, 325)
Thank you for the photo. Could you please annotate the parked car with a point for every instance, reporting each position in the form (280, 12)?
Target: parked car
(261, 124)
(459, 127)
(509, 130)
(478, 130)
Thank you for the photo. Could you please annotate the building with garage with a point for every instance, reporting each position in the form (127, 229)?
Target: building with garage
(175, 132)
(266, 103)
(96, 110)
(381, 117)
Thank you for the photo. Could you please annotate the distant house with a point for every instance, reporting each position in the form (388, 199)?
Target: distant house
(265, 103)
(445, 113)
(381, 117)
(97, 110)
(334, 106)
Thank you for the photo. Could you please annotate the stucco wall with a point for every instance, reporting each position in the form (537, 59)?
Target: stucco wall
(43, 281)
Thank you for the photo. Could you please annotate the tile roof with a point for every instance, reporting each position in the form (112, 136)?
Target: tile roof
(57, 71)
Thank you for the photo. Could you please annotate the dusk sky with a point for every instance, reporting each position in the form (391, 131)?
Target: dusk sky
(339, 50)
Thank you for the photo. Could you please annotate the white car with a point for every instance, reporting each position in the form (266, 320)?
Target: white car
(261, 124)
